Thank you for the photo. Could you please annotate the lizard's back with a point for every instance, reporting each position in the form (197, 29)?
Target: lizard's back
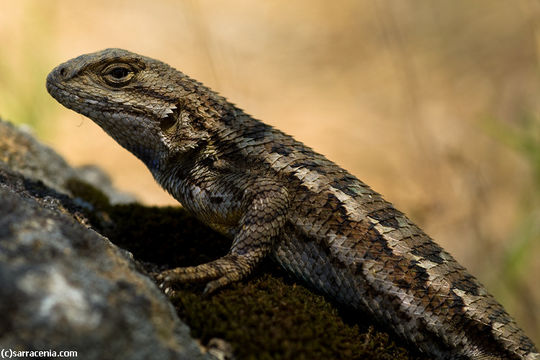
(345, 240)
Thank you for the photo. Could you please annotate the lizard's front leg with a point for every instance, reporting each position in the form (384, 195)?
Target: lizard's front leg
(263, 218)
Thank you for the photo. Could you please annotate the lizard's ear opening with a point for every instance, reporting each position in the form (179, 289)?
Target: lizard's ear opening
(170, 119)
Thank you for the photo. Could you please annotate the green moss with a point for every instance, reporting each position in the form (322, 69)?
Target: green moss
(268, 316)
(88, 193)
(161, 235)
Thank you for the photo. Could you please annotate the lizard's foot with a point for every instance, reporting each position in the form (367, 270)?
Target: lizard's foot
(219, 273)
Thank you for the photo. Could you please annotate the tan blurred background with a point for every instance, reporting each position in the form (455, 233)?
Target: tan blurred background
(434, 104)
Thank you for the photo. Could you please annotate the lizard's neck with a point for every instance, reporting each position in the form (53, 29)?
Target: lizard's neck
(173, 170)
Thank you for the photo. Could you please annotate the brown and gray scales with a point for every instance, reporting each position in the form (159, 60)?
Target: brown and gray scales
(274, 196)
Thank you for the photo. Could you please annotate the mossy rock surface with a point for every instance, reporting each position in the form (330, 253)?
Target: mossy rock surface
(64, 286)
(267, 316)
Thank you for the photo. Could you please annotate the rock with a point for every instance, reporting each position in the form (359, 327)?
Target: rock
(22, 153)
(64, 286)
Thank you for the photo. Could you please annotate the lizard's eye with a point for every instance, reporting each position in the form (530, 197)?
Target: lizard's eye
(117, 75)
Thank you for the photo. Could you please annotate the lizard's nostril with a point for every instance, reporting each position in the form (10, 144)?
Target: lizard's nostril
(63, 71)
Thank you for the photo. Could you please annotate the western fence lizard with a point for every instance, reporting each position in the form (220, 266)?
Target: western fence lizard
(274, 196)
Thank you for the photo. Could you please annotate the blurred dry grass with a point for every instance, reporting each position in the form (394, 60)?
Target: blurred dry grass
(434, 104)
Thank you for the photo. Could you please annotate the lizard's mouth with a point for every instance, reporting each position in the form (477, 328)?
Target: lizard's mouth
(58, 91)
(55, 78)
(64, 97)
(52, 87)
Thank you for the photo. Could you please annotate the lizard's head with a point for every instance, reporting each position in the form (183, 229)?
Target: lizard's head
(148, 107)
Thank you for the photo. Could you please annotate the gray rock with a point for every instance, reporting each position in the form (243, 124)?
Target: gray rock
(22, 153)
(64, 286)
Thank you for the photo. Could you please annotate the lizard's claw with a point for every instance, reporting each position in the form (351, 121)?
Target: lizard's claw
(167, 290)
(218, 273)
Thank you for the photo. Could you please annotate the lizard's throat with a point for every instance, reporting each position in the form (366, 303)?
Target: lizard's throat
(148, 150)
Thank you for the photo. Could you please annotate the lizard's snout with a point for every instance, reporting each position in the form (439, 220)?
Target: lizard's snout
(57, 74)
(61, 70)
(56, 77)
(61, 73)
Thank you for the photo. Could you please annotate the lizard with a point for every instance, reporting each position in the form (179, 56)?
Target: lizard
(275, 197)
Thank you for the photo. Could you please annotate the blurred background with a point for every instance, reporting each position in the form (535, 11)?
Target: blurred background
(434, 104)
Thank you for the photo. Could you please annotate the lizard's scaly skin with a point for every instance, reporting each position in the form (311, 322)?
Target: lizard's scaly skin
(276, 197)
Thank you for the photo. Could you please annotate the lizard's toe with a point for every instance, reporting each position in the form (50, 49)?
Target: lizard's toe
(188, 274)
(219, 273)
(214, 285)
